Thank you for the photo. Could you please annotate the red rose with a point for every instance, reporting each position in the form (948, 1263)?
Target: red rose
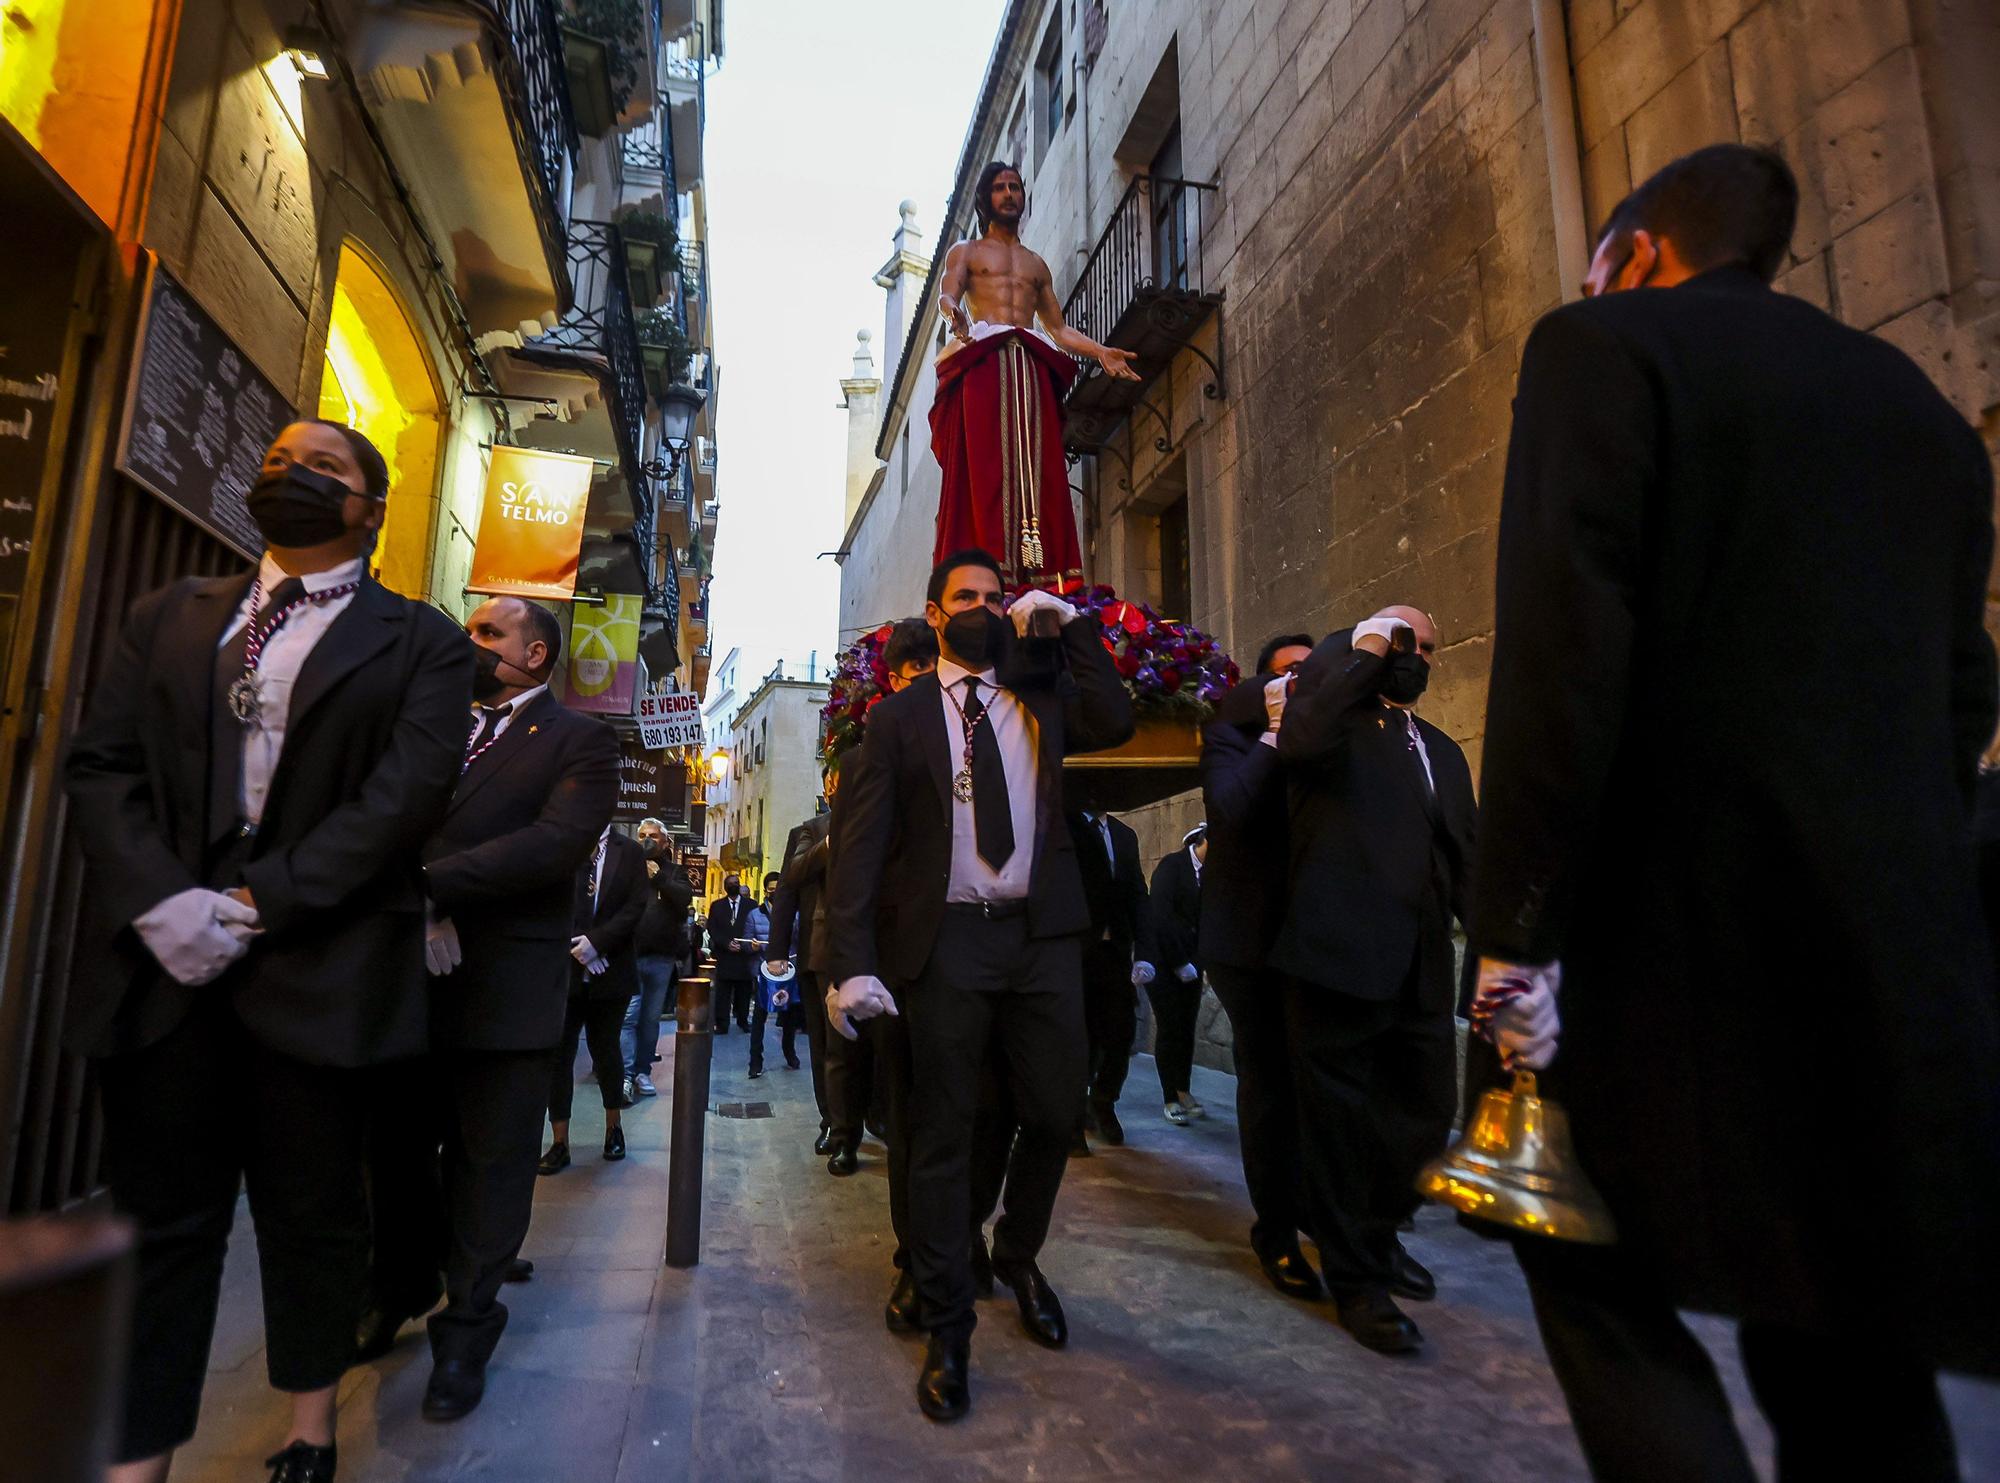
(1127, 665)
(1170, 679)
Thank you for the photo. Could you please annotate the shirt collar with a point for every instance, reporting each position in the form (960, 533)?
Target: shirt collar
(520, 702)
(950, 674)
(271, 574)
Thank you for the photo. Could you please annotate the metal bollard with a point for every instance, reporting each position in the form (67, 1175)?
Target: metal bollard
(693, 1044)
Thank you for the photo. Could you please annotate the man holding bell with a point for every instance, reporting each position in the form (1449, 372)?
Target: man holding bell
(1726, 891)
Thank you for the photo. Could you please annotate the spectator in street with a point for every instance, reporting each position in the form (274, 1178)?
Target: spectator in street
(1725, 900)
(252, 827)
(1172, 960)
(1243, 894)
(662, 948)
(1382, 819)
(1114, 891)
(456, 1140)
(775, 999)
(611, 895)
(734, 964)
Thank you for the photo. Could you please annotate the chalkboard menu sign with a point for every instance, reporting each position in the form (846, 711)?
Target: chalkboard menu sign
(198, 416)
(651, 785)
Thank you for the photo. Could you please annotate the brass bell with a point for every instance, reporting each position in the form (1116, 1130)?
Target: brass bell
(1515, 1166)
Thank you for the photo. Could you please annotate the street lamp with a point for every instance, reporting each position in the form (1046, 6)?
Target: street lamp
(679, 406)
(718, 766)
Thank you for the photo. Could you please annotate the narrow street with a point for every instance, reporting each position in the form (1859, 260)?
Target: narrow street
(770, 1359)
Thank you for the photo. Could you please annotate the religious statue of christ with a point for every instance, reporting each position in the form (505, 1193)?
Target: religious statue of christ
(996, 421)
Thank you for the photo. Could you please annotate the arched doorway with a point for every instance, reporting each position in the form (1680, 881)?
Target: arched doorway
(377, 378)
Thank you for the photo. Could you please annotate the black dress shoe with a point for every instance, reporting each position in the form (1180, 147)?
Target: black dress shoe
(842, 1163)
(518, 1270)
(1411, 1279)
(899, 1314)
(791, 1063)
(1292, 1275)
(1376, 1323)
(943, 1393)
(455, 1388)
(614, 1144)
(555, 1160)
(303, 1463)
(823, 1144)
(877, 1130)
(1079, 1145)
(376, 1334)
(982, 1268)
(755, 1072)
(1108, 1126)
(1041, 1311)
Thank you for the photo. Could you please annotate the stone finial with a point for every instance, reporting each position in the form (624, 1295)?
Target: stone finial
(909, 236)
(864, 356)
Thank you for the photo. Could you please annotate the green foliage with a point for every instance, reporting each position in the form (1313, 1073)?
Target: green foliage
(621, 26)
(649, 226)
(659, 327)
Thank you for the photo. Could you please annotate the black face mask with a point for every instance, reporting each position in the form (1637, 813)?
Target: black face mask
(486, 680)
(1405, 677)
(733, 889)
(296, 507)
(654, 848)
(975, 637)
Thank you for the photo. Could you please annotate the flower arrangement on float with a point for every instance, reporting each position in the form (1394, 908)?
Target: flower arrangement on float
(1174, 672)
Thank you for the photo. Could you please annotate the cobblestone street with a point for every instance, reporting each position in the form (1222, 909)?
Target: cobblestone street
(770, 1359)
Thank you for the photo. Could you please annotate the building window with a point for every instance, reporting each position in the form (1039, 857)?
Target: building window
(1176, 582)
(1017, 135)
(1049, 87)
(1170, 214)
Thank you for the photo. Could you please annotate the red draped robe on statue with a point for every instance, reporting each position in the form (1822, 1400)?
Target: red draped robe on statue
(996, 428)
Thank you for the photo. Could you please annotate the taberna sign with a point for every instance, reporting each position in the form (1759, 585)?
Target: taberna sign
(531, 523)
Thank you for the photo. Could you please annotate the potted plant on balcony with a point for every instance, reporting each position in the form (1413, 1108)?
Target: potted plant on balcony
(616, 29)
(652, 252)
(665, 347)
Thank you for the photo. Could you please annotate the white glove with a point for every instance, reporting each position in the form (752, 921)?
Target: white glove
(197, 933)
(1277, 690)
(1142, 974)
(1515, 1006)
(858, 999)
(580, 948)
(441, 950)
(596, 965)
(1187, 973)
(777, 966)
(1379, 628)
(1034, 600)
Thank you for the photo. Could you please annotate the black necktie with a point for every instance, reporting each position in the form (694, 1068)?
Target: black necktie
(992, 816)
(490, 717)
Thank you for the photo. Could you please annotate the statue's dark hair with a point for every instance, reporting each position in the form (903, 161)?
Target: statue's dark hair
(982, 194)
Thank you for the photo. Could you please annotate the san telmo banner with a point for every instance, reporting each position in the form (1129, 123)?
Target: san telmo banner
(531, 524)
(604, 655)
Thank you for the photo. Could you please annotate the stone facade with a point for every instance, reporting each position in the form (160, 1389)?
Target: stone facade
(1386, 226)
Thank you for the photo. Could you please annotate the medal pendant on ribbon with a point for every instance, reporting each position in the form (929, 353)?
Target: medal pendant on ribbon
(961, 786)
(244, 702)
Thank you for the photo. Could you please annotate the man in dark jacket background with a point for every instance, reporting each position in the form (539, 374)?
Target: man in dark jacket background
(662, 945)
(1170, 947)
(1741, 682)
(1243, 899)
(1114, 891)
(735, 968)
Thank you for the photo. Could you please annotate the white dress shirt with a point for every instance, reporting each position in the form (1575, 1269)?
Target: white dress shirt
(278, 665)
(1018, 737)
(515, 706)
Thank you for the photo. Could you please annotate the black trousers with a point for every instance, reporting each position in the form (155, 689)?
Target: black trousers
(188, 1121)
(600, 1020)
(888, 1040)
(993, 1130)
(1375, 1084)
(791, 1019)
(812, 1005)
(988, 982)
(1110, 1016)
(731, 998)
(1648, 1407)
(853, 1084)
(1176, 1009)
(410, 1230)
(1267, 1111)
(491, 1141)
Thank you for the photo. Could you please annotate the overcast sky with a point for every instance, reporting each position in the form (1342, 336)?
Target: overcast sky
(821, 120)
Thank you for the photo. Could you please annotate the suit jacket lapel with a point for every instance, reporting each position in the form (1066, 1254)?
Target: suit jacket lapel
(936, 739)
(513, 741)
(365, 627)
(185, 659)
(1413, 769)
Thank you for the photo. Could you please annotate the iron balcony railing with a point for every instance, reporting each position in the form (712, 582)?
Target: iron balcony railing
(694, 277)
(1152, 242)
(542, 85)
(649, 145)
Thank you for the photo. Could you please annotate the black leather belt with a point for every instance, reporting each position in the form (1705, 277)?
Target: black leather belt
(993, 911)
